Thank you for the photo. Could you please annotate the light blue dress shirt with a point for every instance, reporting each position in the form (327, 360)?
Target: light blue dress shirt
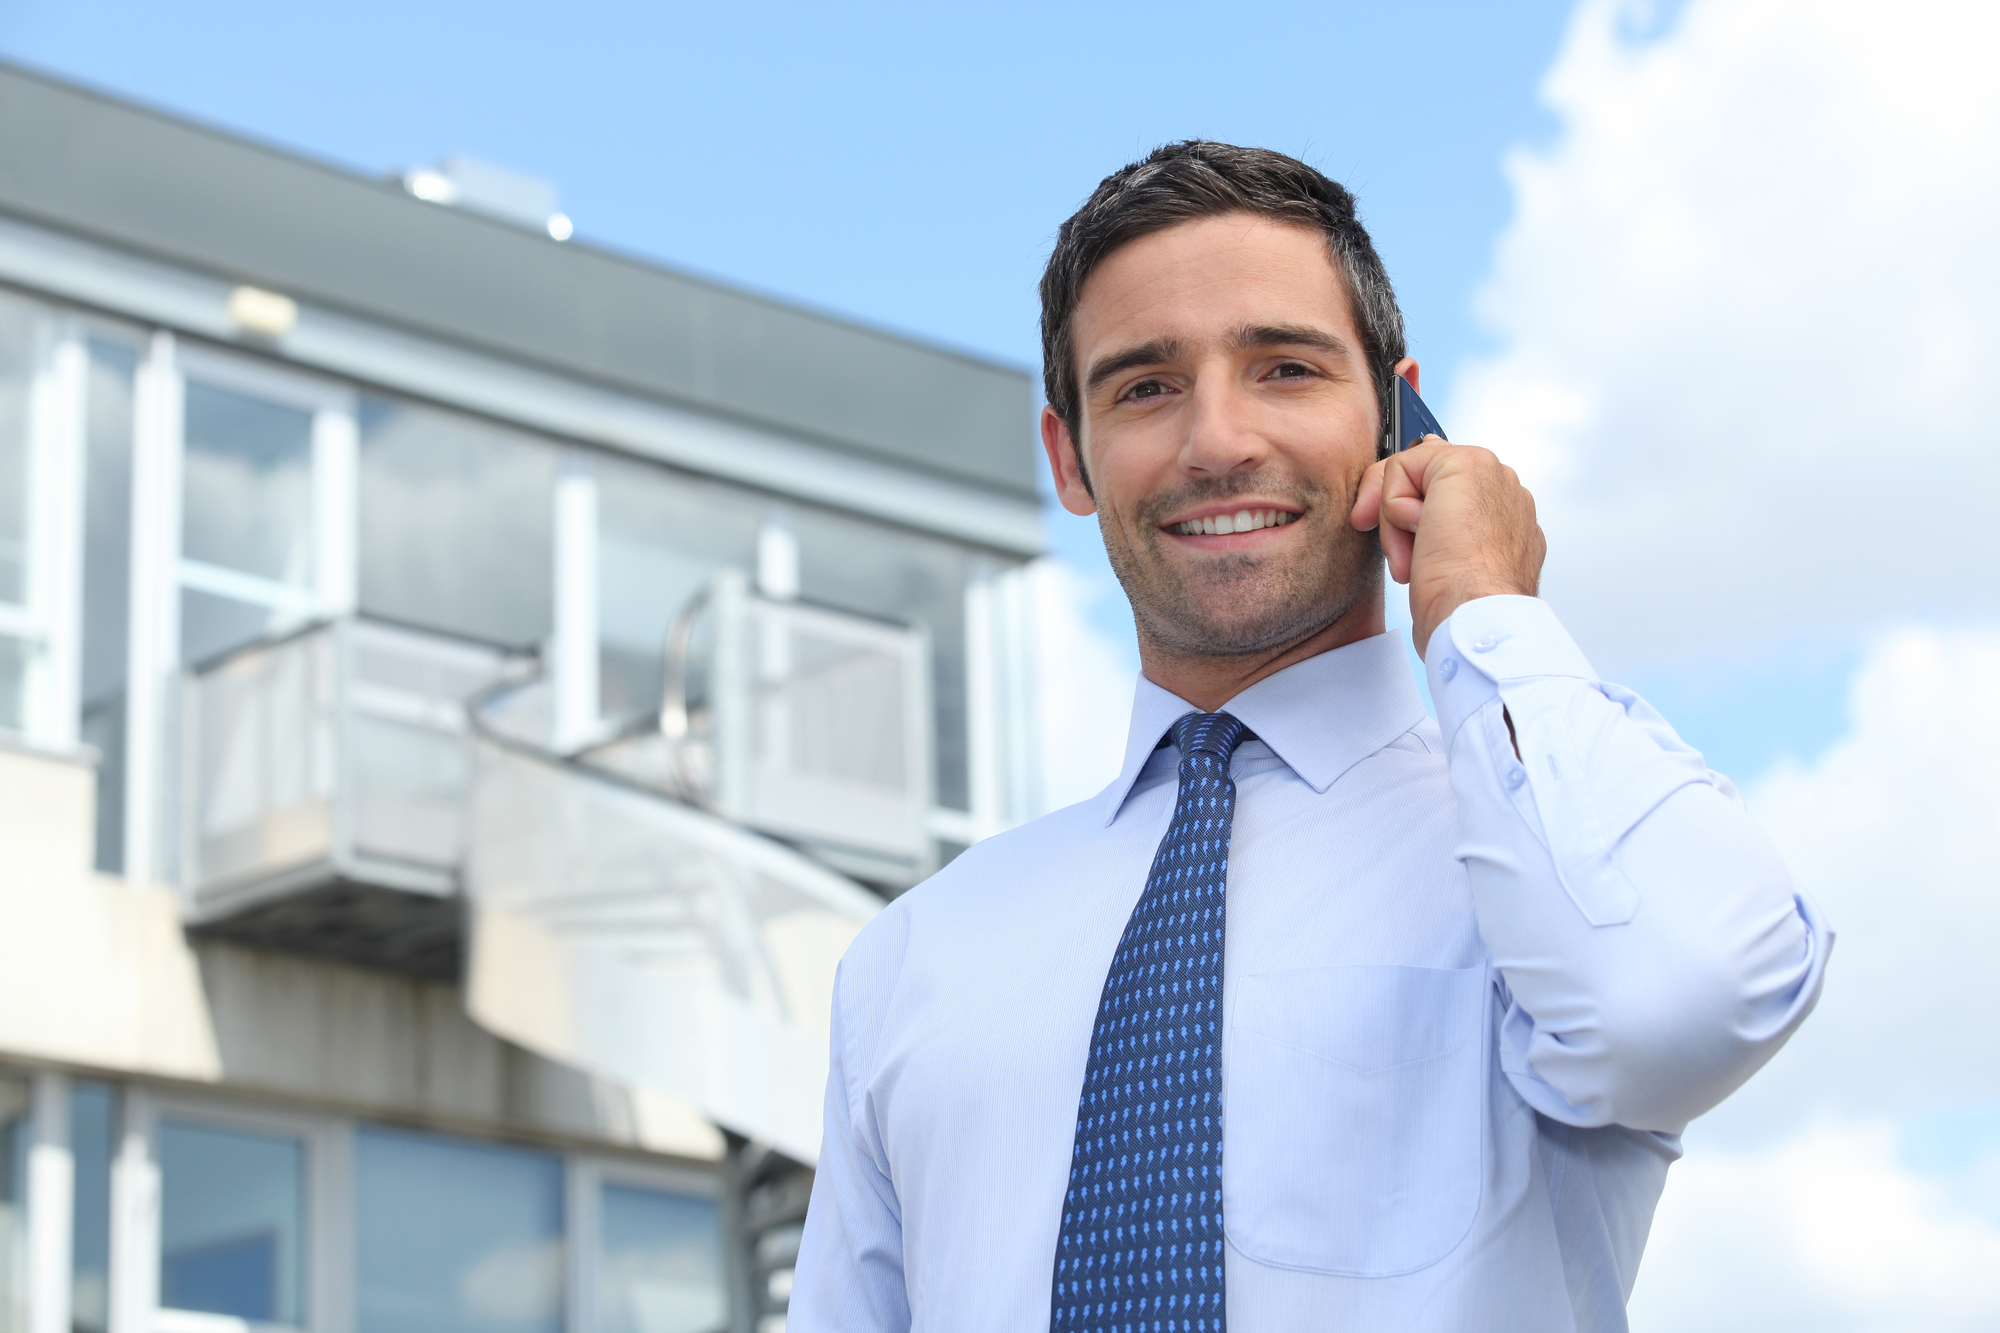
(1471, 999)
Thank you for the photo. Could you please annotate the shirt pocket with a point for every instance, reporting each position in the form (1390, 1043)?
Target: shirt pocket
(1352, 1117)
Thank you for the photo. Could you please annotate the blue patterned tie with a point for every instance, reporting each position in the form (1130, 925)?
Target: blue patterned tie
(1141, 1242)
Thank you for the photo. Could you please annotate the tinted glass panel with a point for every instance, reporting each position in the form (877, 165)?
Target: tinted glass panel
(661, 538)
(20, 330)
(14, 1140)
(93, 1109)
(456, 516)
(107, 573)
(899, 575)
(247, 480)
(211, 624)
(231, 1222)
(661, 1270)
(456, 1237)
(14, 659)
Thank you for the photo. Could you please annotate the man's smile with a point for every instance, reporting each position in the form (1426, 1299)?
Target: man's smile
(1231, 525)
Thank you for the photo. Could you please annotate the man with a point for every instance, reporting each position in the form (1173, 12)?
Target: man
(1322, 1015)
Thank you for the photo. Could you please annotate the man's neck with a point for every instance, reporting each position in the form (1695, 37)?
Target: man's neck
(1208, 681)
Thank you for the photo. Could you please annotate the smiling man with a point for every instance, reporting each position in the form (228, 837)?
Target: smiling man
(1322, 1015)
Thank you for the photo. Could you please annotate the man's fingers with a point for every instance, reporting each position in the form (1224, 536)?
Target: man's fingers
(1368, 499)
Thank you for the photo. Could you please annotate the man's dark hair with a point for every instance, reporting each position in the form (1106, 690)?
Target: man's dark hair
(1197, 178)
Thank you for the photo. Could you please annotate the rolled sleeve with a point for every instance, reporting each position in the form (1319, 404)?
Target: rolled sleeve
(1652, 949)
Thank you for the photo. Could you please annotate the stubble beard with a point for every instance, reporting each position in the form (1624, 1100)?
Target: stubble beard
(1242, 604)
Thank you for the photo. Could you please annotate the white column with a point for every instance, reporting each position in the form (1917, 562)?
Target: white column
(336, 470)
(55, 537)
(1014, 632)
(155, 646)
(778, 558)
(573, 648)
(51, 1206)
(983, 702)
(135, 1220)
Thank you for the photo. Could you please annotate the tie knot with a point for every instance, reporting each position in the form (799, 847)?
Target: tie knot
(1209, 733)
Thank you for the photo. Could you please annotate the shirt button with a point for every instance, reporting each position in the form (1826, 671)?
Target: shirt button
(1448, 668)
(1515, 777)
(1487, 643)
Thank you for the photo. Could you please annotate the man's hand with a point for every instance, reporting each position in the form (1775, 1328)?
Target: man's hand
(1456, 524)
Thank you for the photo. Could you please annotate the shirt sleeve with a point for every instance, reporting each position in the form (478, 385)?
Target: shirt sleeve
(1652, 951)
(849, 1274)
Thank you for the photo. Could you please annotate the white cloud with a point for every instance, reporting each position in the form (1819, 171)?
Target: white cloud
(1828, 1232)
(1793, 1209)
(1746, 308)
(1085, 684)
(1745, 311)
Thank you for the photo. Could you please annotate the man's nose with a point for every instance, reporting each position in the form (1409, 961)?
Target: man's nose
(1223, 435)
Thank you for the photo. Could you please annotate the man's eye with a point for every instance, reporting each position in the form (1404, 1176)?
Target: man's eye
(1291, 370)
(1145, 389)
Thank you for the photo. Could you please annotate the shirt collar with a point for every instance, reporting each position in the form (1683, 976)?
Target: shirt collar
(1321, 716)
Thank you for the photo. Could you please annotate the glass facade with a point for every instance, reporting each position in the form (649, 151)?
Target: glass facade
(456, 523)
(93, 1139)
(456, 1237)
(15, 657)
(660, 1266)
(246, 518)
(877, 570)
(247, 478)
(662, 536)
(20, 342)
(15, 1135)
(232, 1223)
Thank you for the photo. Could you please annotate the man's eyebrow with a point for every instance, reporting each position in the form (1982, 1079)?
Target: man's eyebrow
(1145, 354)
(1290, 335)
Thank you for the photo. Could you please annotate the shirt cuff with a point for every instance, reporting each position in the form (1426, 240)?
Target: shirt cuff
(1493, 639)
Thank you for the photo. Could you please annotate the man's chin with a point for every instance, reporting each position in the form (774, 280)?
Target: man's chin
(1234, 629)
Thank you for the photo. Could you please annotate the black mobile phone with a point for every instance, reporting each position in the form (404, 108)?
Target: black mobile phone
(1409, 420)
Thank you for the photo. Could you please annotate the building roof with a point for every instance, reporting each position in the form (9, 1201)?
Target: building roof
(160, 186)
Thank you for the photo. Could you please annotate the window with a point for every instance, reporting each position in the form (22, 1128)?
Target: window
(20, 332)
(16, 657)
(661, 538)
(16, 1129)
(456, 518)
(93, 1130)
(247, 518)
(23, 332)
(660, 1268)
(882, 571)
(456, 1237)
(232, 1222)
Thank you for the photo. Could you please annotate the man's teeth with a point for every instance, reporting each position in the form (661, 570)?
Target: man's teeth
(1243, 520)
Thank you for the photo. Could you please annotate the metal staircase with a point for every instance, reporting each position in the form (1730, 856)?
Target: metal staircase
(664, 906)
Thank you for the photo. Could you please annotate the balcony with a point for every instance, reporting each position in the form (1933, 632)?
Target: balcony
(331, 776)
(326, 776)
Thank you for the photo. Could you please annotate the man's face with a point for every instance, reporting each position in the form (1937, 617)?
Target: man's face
(1223, 378)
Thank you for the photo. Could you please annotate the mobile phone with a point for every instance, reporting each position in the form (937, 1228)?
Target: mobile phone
(1409, 419)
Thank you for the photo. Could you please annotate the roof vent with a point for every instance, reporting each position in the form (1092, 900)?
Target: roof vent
(481, 187)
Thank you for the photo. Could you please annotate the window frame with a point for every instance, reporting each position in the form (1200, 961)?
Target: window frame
(48, 620)
(326, 1260)
(586, 1175)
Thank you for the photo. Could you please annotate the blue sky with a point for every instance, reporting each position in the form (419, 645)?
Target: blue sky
(907, 164)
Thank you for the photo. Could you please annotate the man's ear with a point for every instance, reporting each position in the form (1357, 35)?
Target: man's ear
(1061, 449)
(1407, 368)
